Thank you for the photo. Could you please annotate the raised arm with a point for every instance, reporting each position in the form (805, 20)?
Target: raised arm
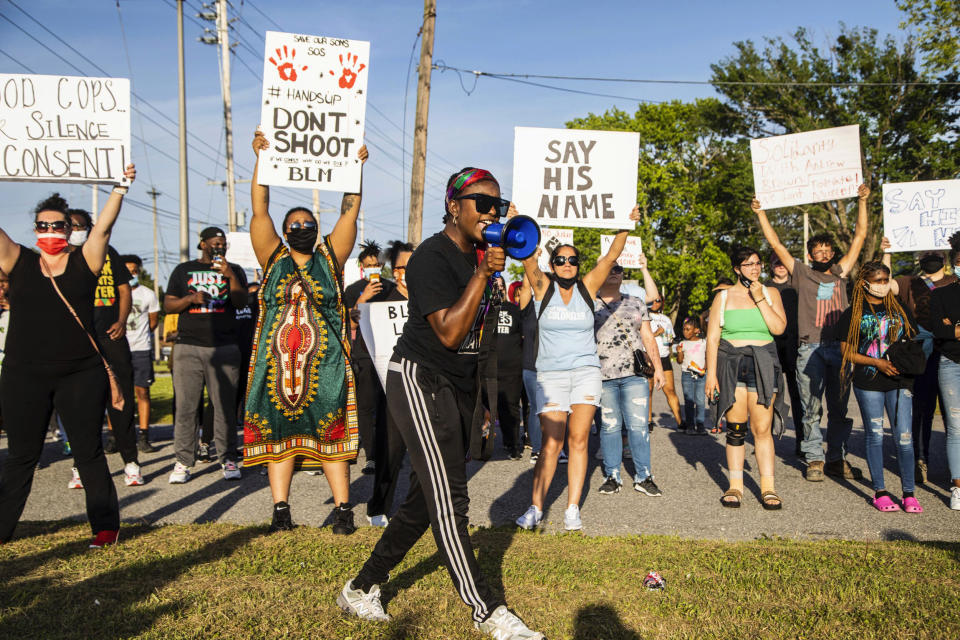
(595, 278)
(650, 290)
(9, 252)
(95, 248)
(344, 234)
(887, 261)
(859, 232)
(526, 291)
(771, 236)
(263, 235)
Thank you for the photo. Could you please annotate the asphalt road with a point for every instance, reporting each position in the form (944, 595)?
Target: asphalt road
(689, 470)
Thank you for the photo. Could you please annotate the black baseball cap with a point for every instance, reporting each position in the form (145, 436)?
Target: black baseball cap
(211, 232)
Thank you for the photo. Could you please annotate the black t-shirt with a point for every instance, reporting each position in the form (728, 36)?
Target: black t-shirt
(944, 316)
(528, 316)
(789, 297)
(41, 329)
(205, 325)
(874, 341)
(106, 299)
(247, 324)
(388, 293)
(437, 275)
(509, 340)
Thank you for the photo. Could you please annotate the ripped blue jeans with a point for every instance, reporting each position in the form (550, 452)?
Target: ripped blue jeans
(624, 402)
(899, 406)
(950, 394)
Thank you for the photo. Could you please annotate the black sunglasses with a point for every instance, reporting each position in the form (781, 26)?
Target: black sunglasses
(484, 203)
(559, 261)
(56, 225)
(302, 225)
(616, 269)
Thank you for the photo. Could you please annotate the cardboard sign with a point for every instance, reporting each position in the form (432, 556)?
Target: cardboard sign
(313, 110)
(801, 168)
(240, 250)
(630, 258)
(64, 128)
(576, 178)
(550, 238)
(381, 324)
(921, 216)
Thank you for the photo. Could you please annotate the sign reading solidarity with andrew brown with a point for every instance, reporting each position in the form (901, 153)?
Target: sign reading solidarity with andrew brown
(802, 168)
(576, 177)
(312, 112)
(64, 128)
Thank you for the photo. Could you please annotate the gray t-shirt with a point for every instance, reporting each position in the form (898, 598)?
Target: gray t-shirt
(821, 299)
(618, 333)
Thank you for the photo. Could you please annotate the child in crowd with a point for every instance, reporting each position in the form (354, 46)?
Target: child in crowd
(692, 356)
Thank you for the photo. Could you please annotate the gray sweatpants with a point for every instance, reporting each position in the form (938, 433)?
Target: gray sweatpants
(219, 368)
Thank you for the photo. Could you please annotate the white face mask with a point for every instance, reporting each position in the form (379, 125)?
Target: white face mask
(371, 272)
(77, 238)
(878, 290)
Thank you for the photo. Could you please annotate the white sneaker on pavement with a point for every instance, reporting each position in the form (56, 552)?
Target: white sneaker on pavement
(75, 482)
(365, 606)
(230, 470)
(571, 518)
(131, 475)
(378, 521)
(531, 518)
(955, 498)
(180, 473)
(503, 624)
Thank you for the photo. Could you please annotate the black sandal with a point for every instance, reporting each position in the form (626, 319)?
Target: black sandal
(731, 493)
(767, 497)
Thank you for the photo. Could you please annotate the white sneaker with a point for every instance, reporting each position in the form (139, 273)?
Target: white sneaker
(571, 518)
(131, 475)
(955, 498)
(75, 482)
(531, 518)
(365, 606)
(230, 470)
(378, 521)
(503, 624)
(180, 474)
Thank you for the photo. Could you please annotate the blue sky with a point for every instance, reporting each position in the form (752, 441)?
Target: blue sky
(470, 124)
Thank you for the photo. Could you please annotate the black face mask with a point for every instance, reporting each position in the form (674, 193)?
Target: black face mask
(823, 267)
(565, 283)
(745, 281)
(931, 264)
(302, 240)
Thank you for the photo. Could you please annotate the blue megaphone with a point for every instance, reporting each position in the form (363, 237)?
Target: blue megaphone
(519, 236)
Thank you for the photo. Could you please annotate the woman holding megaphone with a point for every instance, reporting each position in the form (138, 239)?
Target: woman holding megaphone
(569, 384)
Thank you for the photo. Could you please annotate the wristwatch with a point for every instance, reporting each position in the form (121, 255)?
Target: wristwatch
(120, 189)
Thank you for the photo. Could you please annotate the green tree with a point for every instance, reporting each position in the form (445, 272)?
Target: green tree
(939, 31)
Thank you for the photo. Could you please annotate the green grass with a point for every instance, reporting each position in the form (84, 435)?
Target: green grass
(161, 401)
(223, 580)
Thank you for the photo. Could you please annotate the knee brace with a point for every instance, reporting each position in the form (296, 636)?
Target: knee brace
(736, 432)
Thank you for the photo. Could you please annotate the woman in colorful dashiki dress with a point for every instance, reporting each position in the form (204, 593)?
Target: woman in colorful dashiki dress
(301, 407)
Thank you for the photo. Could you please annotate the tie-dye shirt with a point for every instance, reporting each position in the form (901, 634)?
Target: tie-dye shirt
(821, 298)
(877, 332)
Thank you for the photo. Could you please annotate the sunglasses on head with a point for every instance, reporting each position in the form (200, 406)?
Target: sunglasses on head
(302, 225)
(484, 203)
(56, 225)
(559, 261)
(617, 269)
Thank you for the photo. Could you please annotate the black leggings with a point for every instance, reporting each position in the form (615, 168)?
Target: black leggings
(28, 396)
(117, 353)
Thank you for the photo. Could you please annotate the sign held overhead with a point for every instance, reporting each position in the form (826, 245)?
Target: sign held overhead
(921, 216)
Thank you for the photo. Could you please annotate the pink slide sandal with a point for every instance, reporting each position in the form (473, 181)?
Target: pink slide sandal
(886, 503)
(910, 505)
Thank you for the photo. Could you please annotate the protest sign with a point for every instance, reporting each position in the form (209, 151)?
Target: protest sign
(630, 258)
(313, 110)
(64, 128)
(921, 216)
(802, 168)
(381, 324)
(240, 250)
(550, 238)
(576, 177)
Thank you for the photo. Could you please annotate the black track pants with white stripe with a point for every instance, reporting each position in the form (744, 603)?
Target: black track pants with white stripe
(433, 419)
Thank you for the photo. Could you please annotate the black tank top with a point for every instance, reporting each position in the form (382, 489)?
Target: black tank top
(42, 331)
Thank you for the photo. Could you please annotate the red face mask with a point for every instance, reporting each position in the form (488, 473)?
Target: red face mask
(52, 243)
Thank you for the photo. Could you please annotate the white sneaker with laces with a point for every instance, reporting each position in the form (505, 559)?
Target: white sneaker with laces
(365, 606)
(955, 498)
(531, 518)
(180, 473)
(230, 470)
(131, 475)
(571, 518)
(75, 482)
(378, 521)
(503, 624)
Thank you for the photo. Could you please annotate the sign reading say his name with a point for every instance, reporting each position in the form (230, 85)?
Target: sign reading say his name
(313, 110)
(921, 216)
(381, 324)
(576, 177)
(630, 257)
(64, 128)
(802, 168)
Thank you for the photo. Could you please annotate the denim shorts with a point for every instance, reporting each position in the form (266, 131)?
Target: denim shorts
(747, 375)
(558, 390)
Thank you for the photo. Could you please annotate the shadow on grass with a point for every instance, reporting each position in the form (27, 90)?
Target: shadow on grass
(117, 603)
(596, 621)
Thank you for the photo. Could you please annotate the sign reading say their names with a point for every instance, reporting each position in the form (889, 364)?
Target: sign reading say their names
(630, 257)
(921, 216)
(576, 177)
(808, 167)
(64, 128)
(550, 239)
(313, 110)
(381, 324)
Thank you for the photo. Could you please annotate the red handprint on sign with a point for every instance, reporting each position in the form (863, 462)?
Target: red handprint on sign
(285, 67)
(349, 75)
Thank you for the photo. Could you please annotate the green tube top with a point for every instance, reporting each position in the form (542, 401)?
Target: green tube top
(744, 324)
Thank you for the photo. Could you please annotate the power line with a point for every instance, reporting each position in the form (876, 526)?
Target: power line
(17, 61)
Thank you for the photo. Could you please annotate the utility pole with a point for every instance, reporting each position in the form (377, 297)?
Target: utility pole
(222, 38)
(95, 202)
(154, 194)
(415, 224)
(360, 235)
(184, 208)
(316, 207)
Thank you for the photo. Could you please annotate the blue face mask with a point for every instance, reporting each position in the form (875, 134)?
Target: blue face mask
(134, 281)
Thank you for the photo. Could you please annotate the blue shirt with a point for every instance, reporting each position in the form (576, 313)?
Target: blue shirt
(567, 339)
